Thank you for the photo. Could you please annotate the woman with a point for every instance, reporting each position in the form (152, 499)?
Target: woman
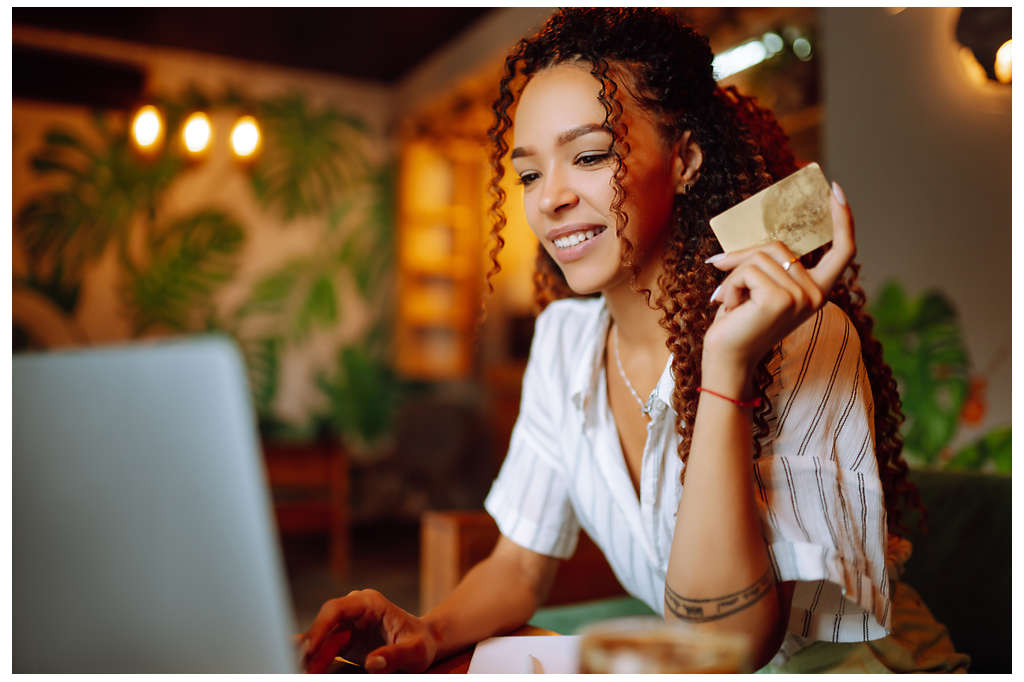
(664, 373)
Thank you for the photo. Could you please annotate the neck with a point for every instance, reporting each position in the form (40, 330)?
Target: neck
(638, 324)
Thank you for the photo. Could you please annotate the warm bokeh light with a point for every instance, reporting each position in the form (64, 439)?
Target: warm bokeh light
(739, 58)
(1004, 62)
(773, 42)
(974, 70)
(245, 136)
(197, 132)
(802, 48)
(147, 127)
(894, 10)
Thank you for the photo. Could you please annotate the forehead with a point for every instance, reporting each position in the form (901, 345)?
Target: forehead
(557, 99)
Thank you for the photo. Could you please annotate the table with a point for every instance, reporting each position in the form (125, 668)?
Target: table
(459, 663)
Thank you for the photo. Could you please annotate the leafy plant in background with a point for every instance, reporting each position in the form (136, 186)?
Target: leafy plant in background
(314, 165)
(923, 344)
(107, 192)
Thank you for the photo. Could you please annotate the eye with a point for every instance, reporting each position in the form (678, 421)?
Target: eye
(528, 177)
(592, 158)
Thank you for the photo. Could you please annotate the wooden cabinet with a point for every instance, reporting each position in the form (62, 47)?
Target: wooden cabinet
(309, 483)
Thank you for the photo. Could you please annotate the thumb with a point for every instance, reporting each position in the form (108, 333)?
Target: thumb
(409, 655)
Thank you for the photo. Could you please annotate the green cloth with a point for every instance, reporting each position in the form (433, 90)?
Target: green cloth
(568, 619)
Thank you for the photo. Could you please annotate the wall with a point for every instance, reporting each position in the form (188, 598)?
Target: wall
(924, 156)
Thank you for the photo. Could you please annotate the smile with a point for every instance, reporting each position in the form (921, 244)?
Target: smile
(578, 237)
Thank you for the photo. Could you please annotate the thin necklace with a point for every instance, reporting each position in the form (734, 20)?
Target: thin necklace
(644, 409)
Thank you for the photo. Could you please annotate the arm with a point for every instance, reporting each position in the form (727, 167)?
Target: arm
(719, 575)
(476, 610)
(718, 514)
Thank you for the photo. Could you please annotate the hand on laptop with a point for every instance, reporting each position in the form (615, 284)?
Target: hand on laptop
(365, 627)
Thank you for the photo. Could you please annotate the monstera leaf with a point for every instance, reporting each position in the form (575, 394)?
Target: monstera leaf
(189, 259)
(923, 345)
(310, 159)
(105, 186)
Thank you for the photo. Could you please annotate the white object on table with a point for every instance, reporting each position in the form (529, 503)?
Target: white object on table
(508, 655)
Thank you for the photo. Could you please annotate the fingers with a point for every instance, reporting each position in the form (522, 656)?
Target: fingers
(844, 247)
(795, 286)
(756, 281)
(406, 655)
(356, 610)
(321, 658)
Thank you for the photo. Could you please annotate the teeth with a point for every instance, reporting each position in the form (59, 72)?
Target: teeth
(577, 237)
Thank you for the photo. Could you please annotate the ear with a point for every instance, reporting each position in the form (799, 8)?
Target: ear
(687, 158)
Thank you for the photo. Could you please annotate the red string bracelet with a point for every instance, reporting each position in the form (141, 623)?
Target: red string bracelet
(742, 403)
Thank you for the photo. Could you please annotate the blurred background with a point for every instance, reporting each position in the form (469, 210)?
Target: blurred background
(312, 182)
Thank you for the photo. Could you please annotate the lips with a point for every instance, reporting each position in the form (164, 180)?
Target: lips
(572, 242)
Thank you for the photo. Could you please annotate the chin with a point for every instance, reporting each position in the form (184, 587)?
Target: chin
(586, 281)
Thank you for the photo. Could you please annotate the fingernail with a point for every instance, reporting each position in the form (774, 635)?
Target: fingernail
(714, 259)
(375, 663)
(838, 191)
(715, 293)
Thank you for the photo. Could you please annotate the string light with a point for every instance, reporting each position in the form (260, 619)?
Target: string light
(147, 127)
(197, 132)
(245, 137)
(1004, 62)
(802, 49)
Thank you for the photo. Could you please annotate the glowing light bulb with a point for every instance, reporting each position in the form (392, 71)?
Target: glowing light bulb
(773, 42)
(147, 127)
(739, 58)
(245, 137)
(1004, 62)
(197, 132)
(802, 48)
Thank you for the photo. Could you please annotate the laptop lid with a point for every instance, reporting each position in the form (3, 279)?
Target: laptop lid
(143, 537)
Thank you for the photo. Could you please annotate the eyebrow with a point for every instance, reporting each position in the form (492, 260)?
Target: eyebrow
(564, 137)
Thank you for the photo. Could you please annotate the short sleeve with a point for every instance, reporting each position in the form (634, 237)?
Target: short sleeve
(819, 494)
(529, 500)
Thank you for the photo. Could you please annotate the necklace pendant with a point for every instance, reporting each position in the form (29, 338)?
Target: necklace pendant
(648, 409)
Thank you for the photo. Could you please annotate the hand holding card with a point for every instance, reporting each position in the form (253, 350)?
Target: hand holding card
(794, 211)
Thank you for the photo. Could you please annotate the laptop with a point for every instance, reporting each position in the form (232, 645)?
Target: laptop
(143, 535)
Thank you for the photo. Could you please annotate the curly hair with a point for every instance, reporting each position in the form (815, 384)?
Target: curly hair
(666, 67)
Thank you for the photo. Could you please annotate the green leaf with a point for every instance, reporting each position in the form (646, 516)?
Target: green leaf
(272, 292)
(320, 306)
(994, 448)
(310, 159)
(262, 358)
(923, 344)
(190, 259)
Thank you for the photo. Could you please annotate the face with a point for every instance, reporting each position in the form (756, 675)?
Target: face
(562, 156)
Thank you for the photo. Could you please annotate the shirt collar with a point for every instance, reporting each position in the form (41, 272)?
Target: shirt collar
(590, 362)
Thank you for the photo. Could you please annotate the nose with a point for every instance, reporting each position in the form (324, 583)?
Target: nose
(556, 194)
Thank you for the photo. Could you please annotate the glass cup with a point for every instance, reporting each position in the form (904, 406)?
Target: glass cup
(646, 644)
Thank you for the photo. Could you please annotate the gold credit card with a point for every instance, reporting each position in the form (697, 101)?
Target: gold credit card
(796, 211)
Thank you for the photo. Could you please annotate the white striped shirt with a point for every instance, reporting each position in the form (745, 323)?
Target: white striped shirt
(819, 495)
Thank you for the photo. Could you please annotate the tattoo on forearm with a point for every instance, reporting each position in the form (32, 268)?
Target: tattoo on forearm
(703, 610)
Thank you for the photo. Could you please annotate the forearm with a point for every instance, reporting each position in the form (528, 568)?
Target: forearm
(495, 596)
(719, 573)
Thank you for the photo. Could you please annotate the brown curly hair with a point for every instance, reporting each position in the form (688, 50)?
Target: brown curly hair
(666, 66)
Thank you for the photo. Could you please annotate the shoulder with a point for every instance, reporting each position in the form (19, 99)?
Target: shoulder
(827, 334)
